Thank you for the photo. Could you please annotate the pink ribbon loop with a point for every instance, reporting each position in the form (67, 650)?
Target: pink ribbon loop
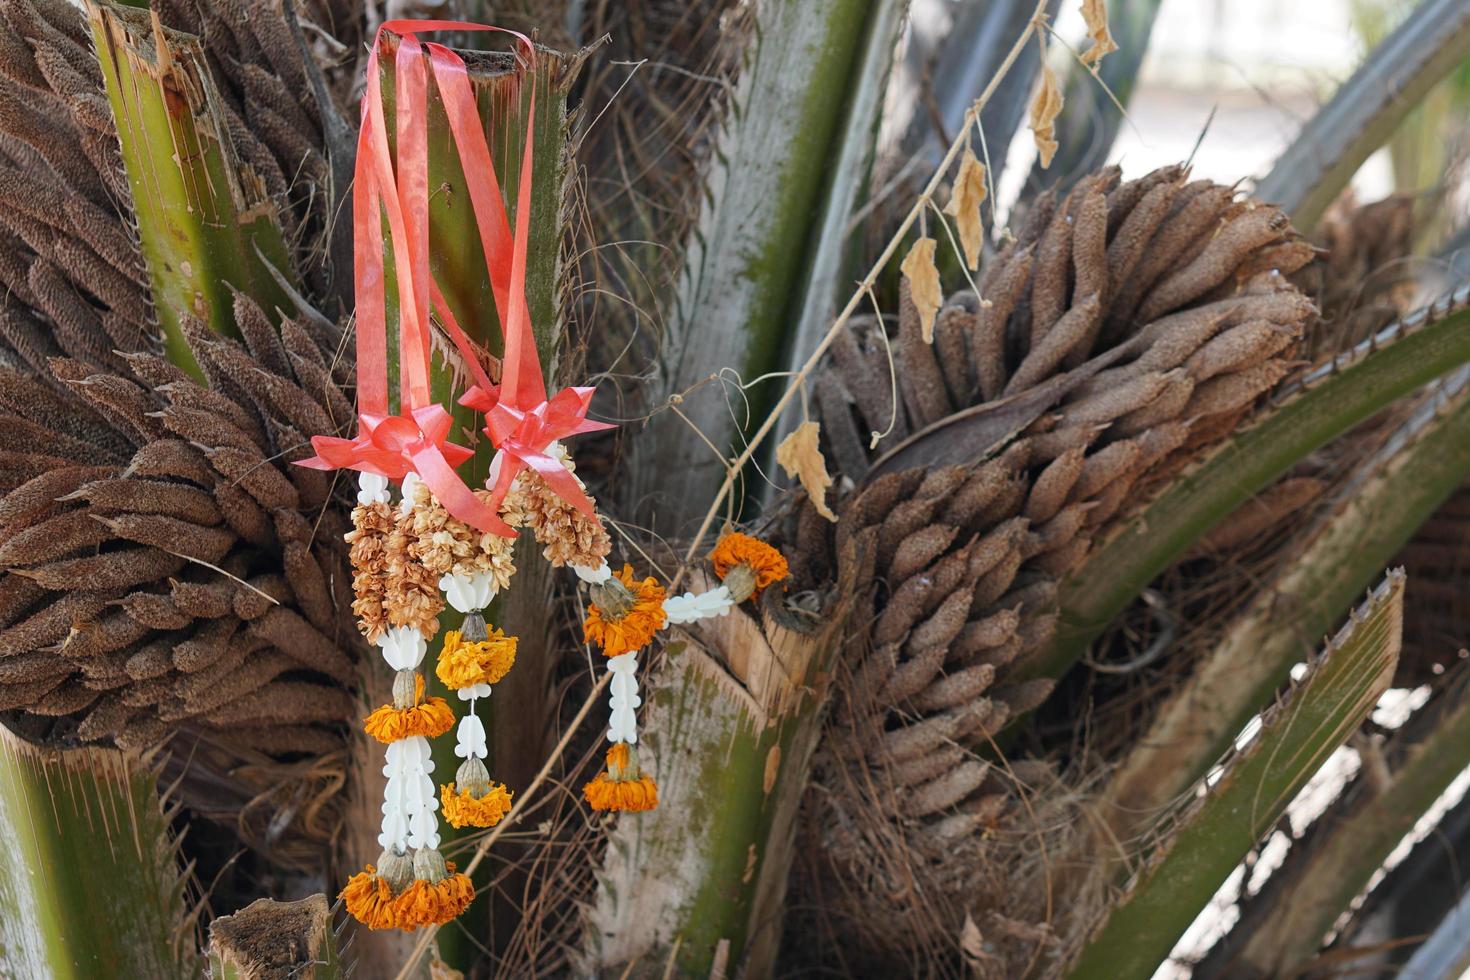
(523, 438)
(393, 446)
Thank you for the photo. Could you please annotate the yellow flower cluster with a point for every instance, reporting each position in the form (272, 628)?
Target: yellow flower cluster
(465, 663)
(620, 631)
(462, 809)
(429, 717)
(622, 787)
(735, 550)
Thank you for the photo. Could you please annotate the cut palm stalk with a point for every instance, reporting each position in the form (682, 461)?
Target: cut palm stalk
(1381, 507)
(698, 885)
(1431, 42)
(1332, 400)
(275, 939)
(89, 877)
(1211, 837)
(206, 224)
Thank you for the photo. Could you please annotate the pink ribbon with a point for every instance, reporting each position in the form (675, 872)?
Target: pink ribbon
(395, 445)
(521, 422)
(523, 438)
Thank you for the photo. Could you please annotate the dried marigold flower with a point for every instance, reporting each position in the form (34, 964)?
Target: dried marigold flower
(371, 525)
(412, 590)
(446, 545)
(569, 536)
(625, 613)
(370, 900)
(425, 904)
(622, 787)
(370, 895)
(429, 717)
(464, 663)
(463, 808)
(763, 565)
(438, 894)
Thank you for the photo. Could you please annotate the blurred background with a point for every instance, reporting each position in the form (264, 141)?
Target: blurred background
(1227, 84)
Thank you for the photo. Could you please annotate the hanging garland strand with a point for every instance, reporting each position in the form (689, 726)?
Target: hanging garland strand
(445, 544)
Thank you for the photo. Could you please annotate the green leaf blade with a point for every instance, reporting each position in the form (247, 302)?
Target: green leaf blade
(1413, 352)
(1389, 497)
(1252, 793)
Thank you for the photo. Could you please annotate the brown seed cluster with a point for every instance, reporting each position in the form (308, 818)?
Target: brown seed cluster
(163, 569)
(72, 276)
(445, 545)
(123, 479)
(568, 536)
(1184, 290)
(1365, 278)
(371, 526)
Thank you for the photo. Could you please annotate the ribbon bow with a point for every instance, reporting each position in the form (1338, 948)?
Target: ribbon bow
(395, 445)
(523, 438)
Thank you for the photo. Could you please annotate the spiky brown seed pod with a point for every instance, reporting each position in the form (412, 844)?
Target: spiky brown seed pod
(98, 428)
(1209, 337)
(162, 564)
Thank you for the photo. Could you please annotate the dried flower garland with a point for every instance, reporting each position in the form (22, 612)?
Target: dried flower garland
(410, 885)
(625, 615)
(446, 545)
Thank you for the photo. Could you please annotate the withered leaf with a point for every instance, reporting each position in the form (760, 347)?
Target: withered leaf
(801, 457)
(923, 276)
(1095, 13)
(1044, 111)
(964, 206)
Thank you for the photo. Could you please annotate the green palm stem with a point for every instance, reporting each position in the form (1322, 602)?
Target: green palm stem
(739, 291)
(1369, 107)
(1208, 840)
(90, 880)
(1377, 513)
(1284, 926)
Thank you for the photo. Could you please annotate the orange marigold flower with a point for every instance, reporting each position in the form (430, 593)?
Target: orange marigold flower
(463, 809)
(426, 903)
(429, 717)
(465, 663)
(369, 900)
(735, 549)
(622, 787)
(620, 631)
